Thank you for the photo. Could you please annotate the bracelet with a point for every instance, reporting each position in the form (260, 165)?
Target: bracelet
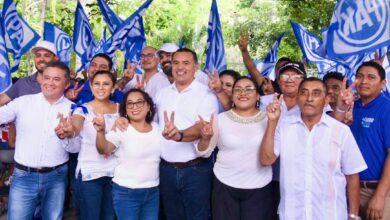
(353, 216)
(339, 110)
(181, 136)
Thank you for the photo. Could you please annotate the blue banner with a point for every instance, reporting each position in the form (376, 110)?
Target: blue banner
(112, 20)
(18, 35)
(267, 66)
(60, 39)
(215, 55)
(5, 73)
(358, 27)
(83, 41)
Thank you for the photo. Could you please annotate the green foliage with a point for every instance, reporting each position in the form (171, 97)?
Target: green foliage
(186, 20)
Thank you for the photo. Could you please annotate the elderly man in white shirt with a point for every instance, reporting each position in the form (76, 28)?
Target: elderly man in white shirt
(152, 80)
(319, 158)
(185, 176)
(41, 152)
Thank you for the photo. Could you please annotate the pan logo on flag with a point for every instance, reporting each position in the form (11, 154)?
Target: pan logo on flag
(86, 33)
(63, 45)
(362, 24)
(14, 28)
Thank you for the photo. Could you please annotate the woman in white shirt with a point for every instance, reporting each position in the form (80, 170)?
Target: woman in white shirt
(241, 188)
(95, 171)
(136, 178)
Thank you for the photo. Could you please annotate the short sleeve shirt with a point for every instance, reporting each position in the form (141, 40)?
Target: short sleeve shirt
(24, 86)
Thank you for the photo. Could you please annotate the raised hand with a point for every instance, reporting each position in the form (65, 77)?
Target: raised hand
(345, 98)
(73, 93)
(243, 41)
(206, 128)
(129, 72)
(215, 82)
(140, 82)
(121, 124)
(99, 123)
(348, 117)
(378, 59)
(64, 128)
(170, 131)
(273, 109)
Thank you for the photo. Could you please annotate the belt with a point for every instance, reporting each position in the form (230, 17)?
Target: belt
(38, 170)
(368, 184)
(182, 165)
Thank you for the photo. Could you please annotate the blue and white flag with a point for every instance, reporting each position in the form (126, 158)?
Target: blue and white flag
(130, 36)
(267, 66)
(5, 73)
(19, 36)
(83, 41)
(60, 39)
(358, 27)
(112, 20)
(311, 47)
(215, 55)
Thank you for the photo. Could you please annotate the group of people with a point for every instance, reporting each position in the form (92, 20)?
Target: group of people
(177, 143)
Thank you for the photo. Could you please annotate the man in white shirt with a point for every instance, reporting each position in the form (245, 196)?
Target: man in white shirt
(152, 80)
(319, 158)
(185, 177)
(41, 153)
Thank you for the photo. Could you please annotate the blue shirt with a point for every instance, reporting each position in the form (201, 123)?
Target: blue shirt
(371, 129)
(86, 95)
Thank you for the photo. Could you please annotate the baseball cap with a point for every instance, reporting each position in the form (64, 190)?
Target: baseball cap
(296, 66)
(169, 48)
(49, 46)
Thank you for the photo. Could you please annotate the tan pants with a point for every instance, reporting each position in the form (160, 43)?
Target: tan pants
(365, 196)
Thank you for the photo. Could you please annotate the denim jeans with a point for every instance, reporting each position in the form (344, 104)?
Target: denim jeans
(186, 193)
(135, 204)
(95, 199)
(28, 189)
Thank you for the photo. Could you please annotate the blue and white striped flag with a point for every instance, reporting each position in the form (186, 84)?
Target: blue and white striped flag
(19, 36)
(112, 20)
(130, 36)
(310, 46)
(60, 39)
(267, 66)
(215, 55)
(83, 41)
(358, 27)
(5, 73)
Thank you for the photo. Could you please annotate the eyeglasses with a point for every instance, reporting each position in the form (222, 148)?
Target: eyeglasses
(138, 104)
(286, 77)
(245, 90)
(148, 56)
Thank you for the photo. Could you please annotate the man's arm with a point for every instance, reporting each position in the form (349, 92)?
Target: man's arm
(4, 99)
(353, 193)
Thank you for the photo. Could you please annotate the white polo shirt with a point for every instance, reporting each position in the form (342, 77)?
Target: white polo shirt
(188, 104)
(313, 165)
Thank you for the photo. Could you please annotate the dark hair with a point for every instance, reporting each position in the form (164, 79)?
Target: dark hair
(284, 59)
(148, 99)
(231, 73)
(104, 72)
(313, 79)
(334, 75)
(377, 66)
(250, 79)
(62, 66)
(274, 83)
(184, 49)
(106, 57)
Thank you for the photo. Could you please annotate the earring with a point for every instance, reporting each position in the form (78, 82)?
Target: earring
(257, 103)
(233, 105)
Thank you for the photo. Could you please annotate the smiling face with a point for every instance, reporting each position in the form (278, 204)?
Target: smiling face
(166, 62)
(54, 83)
(102, 86)
(41, 58)
(245, 95)
(289, 82)
(183, 68)
(227, 84)
(368, 83)
(98, 64)
(312, 98)
(136, 107)
(149, 59)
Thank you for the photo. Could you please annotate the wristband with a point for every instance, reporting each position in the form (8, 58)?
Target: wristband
(353, 216)
(181, 136)
(339, 110)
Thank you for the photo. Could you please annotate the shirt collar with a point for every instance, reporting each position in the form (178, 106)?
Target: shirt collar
(61, 99)
(193, 85)
(296, 118)
(359, 104)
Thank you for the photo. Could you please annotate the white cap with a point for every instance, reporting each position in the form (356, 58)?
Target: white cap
(45, 45)
(169, 48)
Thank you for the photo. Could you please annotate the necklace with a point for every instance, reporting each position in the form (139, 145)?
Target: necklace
(245, 120)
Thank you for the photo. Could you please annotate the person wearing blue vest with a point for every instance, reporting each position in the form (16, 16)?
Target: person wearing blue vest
(371, 129)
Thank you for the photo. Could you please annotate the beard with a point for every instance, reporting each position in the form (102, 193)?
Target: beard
(167, 69)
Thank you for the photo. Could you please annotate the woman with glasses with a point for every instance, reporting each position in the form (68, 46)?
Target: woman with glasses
(95, 171)
(241, 188)
(138, 148)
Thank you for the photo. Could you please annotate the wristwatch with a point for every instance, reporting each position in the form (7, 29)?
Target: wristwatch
(353, 216)
(181, 136)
